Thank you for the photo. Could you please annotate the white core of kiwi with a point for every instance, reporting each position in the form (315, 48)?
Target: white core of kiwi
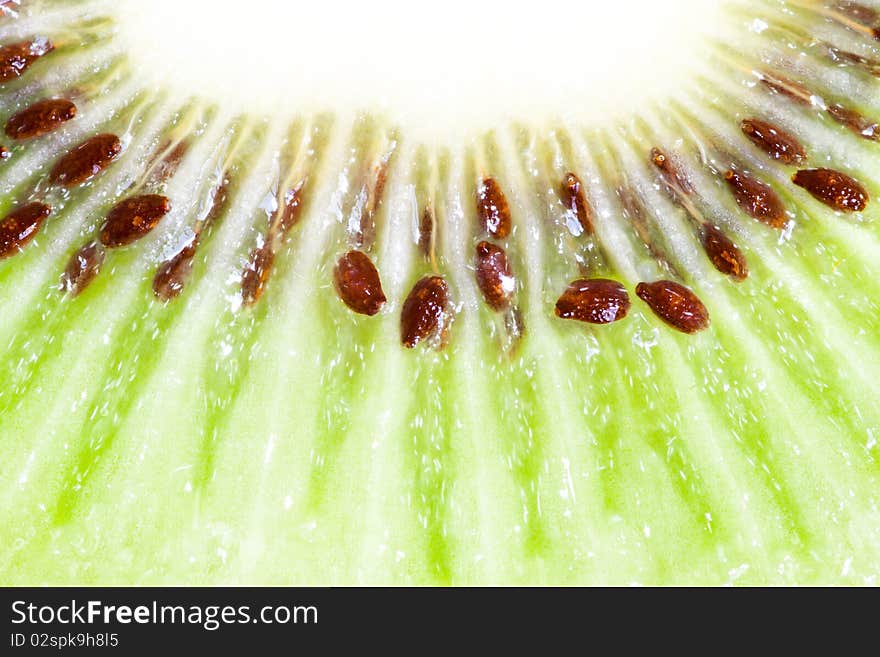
(457, 65)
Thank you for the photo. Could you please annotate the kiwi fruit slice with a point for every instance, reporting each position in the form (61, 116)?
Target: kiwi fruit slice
(294, 348)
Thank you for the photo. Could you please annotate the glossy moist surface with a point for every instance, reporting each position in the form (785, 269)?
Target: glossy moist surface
(295, 349)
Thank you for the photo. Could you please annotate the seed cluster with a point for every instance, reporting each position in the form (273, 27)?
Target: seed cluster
(593, 298)
(427, 313)
(493, 269)
(724, 255)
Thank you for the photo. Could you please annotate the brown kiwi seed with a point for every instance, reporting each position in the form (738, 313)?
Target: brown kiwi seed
(594, 301)
(424, 311)
(86, 160)
(40, 118)
(133, 218)
(494, 275)
(357, 283)
(20, 226)
(675, 304)
(757, 199)
(493, 209)
(833, 188)
(724, 254)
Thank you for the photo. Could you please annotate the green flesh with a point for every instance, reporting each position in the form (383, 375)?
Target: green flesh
(295, 442)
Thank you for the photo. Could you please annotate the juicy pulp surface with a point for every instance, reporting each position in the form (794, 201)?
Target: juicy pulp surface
(201, 442)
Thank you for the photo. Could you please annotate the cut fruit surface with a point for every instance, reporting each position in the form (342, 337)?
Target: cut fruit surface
(289, 342)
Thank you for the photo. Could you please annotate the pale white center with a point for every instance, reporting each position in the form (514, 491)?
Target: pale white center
(436, 65)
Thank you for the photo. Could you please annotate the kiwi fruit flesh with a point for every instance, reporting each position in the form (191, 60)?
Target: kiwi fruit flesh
(300, 348)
